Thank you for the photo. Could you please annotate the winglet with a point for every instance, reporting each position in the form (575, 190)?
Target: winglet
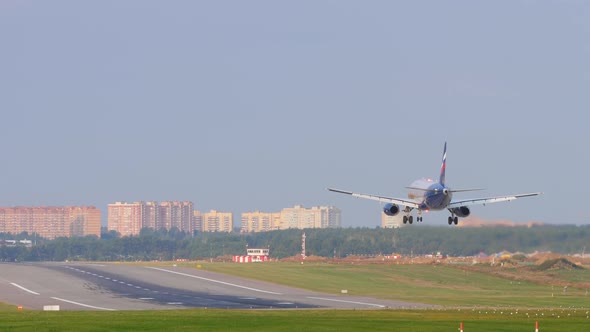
(443, 166)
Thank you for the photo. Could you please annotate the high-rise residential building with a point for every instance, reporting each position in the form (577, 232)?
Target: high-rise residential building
(164, 216)
(330, 216)
(149, 214)
(292, 217)
(198, 221)
(84, 220)
(391, 221)
(296, 217)
(185, 216)
(215, 221)
(315, 217)
(176, 214)
(130, 218)
(125, 218)
(51, 222)
(260, 221)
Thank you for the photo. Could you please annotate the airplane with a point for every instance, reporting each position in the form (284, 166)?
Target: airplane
(427, 195)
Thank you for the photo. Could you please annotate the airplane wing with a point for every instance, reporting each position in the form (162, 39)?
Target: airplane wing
(483, 201)
(384, 199)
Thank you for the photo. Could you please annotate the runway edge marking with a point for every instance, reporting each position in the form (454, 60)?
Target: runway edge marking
(82, 304)
(26, 290)
(212, 280)
(345, 301)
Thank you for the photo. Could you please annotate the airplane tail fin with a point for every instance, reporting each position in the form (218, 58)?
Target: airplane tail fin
(443, 166)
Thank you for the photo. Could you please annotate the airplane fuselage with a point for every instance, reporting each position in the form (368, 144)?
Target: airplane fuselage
(430, 195)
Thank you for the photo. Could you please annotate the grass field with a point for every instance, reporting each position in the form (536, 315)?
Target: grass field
(433, 284)
(296, 320)
(487, 301)
(7, 307)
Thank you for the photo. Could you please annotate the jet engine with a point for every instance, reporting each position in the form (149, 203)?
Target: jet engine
(390, 209)
(461, 211)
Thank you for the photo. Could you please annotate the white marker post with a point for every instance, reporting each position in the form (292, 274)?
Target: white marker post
(537, 326)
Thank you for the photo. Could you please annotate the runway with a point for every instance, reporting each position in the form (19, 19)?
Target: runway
(87, 286)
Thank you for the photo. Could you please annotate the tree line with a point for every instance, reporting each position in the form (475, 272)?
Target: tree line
(340, 242)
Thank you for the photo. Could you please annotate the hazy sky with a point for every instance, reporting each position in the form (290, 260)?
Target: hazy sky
(259, 105)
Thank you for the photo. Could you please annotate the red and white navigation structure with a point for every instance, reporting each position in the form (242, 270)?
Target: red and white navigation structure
(254, 255)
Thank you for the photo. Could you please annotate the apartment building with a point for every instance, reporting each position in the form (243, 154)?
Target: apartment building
(176, 214)
(149, 214)
(260, 221)
(315, 217)
(51, 222)
(391, 221)
(125, 218)
(214, 221)
(293, 217)
(129, 218)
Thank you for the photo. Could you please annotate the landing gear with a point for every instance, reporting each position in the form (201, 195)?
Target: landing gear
(408, 219)
(453, 220)
(419, 217)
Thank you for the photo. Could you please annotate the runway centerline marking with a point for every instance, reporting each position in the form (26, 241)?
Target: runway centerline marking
(25, 289)
(216, 281)
(82, 304)
(344, 301)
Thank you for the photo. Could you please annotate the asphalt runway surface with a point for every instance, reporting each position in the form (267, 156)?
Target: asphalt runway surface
(87, 286)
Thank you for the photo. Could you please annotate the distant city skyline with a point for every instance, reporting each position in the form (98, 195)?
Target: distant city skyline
(244, 106)
(128, 219)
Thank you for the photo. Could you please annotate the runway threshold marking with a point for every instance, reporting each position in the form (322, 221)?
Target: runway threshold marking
(213, 280)
(345, 301)
(82, 304)
(26, 290)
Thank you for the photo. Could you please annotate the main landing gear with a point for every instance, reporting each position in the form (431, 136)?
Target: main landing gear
(410, 219)
(453, 220)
